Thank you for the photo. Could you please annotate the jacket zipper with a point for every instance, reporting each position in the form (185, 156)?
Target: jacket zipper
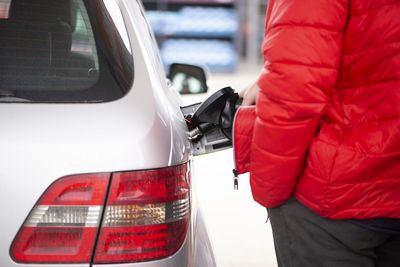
(235, 172)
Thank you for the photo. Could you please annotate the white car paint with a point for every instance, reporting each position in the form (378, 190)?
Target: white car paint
(143, 130)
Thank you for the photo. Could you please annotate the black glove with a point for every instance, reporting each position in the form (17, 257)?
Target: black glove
(217, 111)
(228, 114)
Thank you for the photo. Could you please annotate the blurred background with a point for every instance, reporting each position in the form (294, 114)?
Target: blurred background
(220, 34)
(225, 36)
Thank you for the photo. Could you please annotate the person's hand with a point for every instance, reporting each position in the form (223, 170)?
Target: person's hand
(249, 94)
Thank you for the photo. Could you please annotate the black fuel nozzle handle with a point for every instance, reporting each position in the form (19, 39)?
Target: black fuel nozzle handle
(217, 111)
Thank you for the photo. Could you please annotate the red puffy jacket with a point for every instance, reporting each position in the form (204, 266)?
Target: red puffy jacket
(326, 126)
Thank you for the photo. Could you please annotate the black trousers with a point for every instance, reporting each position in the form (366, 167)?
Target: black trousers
(303, 238)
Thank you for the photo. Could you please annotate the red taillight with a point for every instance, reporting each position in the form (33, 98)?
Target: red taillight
(146, 217)
(62, 227)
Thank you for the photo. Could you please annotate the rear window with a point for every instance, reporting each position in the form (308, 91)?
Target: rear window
(63, 51)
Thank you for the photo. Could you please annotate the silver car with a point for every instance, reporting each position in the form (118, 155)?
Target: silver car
(95, 157)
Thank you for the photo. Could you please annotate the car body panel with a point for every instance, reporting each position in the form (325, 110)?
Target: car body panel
(143, 130)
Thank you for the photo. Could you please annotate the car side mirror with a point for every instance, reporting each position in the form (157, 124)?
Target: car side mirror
(188, 79)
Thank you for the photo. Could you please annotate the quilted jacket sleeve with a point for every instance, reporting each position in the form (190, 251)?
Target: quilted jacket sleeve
(302, 51)
(242, 136)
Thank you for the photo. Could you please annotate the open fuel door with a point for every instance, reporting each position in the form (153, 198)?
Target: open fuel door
(210, 123)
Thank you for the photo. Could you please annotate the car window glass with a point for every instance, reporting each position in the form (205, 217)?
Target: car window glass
(4, 8)
(82, 37)
(63, 51)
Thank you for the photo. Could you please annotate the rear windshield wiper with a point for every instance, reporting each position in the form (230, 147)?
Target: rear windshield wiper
(10, 96)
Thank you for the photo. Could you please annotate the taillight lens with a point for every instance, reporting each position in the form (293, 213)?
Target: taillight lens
(146, 216)
(62, 227)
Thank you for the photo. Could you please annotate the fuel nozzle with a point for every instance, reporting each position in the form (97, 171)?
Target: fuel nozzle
(217, 111)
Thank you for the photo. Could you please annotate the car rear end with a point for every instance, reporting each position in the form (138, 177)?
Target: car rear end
(94, 156)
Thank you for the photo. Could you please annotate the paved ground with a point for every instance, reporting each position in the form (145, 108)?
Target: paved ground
(236, 224)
